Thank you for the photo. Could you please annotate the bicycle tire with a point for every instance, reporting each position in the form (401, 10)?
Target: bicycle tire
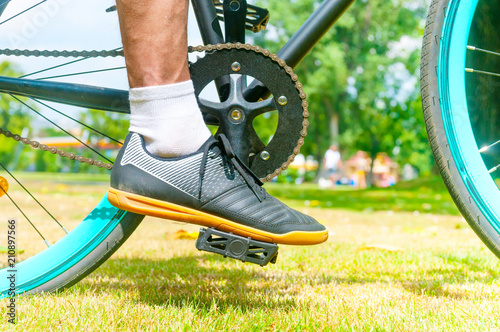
(95, 258)
(448, 125)
(39, 274)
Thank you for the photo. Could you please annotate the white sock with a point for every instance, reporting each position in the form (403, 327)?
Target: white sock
(168, 118)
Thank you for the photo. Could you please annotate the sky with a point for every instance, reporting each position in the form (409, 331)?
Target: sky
(69, 25)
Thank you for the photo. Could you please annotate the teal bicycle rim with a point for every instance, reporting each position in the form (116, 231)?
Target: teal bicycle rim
(455, 113)
(67, 252)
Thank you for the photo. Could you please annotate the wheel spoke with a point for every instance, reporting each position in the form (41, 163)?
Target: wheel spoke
(494, 169)
(54, 67)
(486, 148)
(24, 11)
(25, 216)
(81, 73)
(62, 129)
(474, 48)
(77, 121)
(472, 70)
(33, 197)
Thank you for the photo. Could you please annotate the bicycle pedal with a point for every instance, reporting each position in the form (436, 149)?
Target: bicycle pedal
(238, 247)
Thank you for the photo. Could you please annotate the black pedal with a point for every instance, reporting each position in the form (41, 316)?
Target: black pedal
(243, 248)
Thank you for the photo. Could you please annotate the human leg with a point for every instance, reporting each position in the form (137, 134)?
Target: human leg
(163, 106)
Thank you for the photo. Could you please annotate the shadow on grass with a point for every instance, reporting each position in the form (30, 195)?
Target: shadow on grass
(206, 281)
(442, 276)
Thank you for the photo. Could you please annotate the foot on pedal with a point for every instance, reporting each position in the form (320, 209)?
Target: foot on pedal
(211, 188)
(243, 248)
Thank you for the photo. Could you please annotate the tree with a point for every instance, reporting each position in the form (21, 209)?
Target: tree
(352, 77)
(14, 117)
(112, 124)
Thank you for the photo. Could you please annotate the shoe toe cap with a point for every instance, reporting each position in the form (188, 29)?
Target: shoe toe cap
(297, 221)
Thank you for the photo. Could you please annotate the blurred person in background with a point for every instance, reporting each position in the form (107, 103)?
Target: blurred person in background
(333, 163)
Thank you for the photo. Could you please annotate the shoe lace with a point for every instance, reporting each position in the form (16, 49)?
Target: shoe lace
(233, 161)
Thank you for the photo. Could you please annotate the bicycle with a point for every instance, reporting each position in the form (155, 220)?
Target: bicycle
(105, 229)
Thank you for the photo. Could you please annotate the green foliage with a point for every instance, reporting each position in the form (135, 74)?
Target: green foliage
(265, 126)
(291, 175)
(354, 74)
(14, 117)
(112, 124)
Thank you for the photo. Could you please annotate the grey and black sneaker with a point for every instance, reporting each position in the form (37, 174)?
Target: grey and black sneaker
(210, 187)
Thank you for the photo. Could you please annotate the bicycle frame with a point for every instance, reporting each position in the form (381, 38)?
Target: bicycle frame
(106, 99)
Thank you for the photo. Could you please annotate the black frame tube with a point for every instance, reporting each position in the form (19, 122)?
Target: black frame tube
(315, 27)
(235, 12)
(208, 23)
(303, 41)
(87, 96)
(3, 6)
(211, 33)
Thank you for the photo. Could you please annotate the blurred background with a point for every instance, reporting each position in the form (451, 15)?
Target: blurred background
(366, 126)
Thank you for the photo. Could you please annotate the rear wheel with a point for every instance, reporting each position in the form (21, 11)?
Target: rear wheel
(59, 249)
(460, 79)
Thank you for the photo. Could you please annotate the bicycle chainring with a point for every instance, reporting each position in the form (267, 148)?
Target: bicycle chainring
(235, 115)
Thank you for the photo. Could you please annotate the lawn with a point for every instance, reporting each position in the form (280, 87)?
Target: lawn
(426, 195)
(380, 270)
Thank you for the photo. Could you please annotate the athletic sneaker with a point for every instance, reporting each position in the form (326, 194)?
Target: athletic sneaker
(210, 187)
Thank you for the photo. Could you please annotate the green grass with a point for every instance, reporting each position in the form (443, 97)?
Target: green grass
(379, 271)
(426, 195)
(64, 177)
(438, 278)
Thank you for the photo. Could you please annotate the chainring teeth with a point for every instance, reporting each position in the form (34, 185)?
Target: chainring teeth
(298, 86)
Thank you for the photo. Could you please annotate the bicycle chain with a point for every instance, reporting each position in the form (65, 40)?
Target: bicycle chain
(207, 48)
(64, 54)
(54, 150)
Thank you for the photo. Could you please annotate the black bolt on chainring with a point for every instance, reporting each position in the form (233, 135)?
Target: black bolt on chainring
(235, 115)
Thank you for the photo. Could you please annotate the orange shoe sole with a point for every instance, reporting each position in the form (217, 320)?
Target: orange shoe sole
(156, 208)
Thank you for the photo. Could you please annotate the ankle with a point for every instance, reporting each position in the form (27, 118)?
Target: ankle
(169, 119)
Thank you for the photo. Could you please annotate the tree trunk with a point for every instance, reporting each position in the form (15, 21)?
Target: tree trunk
(334, 120)
(373, 155)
